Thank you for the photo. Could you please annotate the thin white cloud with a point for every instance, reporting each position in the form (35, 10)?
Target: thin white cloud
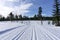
(13, 0)
(43, 14)
(21, 9)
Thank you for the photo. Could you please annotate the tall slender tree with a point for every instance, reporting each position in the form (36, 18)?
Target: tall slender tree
(11, 16)
(39, 13)
(16, 17)
(20, 17)
(56, 14)
(35, 17)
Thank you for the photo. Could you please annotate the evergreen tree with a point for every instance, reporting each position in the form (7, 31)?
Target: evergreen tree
(25, 18)
(35, 17)
(56, 14)
(39, 13)
(3, 18)
(7, 18)
(16, 17)
(20, 17)
(11, 16)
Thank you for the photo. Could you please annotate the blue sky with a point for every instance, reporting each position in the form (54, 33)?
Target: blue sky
(47, 7)
(26, 7)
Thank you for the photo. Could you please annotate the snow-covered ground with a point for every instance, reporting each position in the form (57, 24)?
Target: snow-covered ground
(29, 30)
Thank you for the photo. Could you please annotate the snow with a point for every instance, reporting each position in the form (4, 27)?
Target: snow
(29, 30)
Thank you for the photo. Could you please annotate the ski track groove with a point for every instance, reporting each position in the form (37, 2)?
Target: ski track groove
(8, 37)
(46, 35)
(5, 31)
(32, 35)
(51, 35)
(35, 34)
(9, 33)
(9, 30)
(20, 36)
(26, 33)
(20, 33)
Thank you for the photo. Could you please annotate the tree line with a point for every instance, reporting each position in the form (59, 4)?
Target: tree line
(12, 17)
(55, 18)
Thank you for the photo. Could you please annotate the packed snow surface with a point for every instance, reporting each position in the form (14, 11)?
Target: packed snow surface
(29, 30)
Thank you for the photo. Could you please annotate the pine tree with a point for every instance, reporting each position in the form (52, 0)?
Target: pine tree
(40, 13)
(16, 17)
(56, 14)
(3, 18)
(35, 17)
(11, 16)
(25, 18)
(20, 17)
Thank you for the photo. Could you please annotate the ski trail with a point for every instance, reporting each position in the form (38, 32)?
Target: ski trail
(54, 31)
(30, 31)
(11, 34)
(3, 36)
(27, 35)
(22, 33)
(50, 34)
(35, 35)
(17, 36)
(43, 35)
(32, 35)
(34, 32)
(2, 32)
